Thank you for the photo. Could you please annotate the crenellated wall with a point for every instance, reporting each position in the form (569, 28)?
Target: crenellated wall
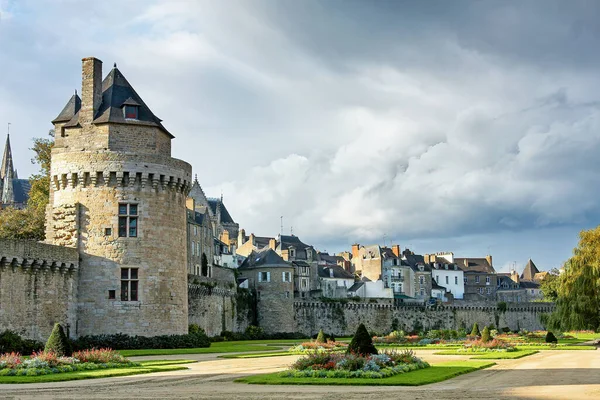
(37, 287)
(343, 319)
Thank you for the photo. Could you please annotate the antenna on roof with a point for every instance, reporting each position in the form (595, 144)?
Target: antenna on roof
(281, 229)
(8, 130)
(291, 230)
(75, 92)
(115, 65)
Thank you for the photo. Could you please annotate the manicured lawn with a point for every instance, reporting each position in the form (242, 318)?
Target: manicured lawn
(259, 355)
(220, 347)
(543, 348)
(417, 347)
(436, 373)
(146, 368)
(585, 336)
(492, 355)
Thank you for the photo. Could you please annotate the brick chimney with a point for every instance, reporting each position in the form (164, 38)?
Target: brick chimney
(489, 260)
(396, 250)
(241, 237)
(272, 244)
(91, 90)
(355, 248)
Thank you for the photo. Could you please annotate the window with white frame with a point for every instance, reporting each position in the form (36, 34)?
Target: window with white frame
(193, 248)
(264, 276)
(128, 220)
(487, 280)
(129, 284)
(488, 290)
(476, 279)
(286, 276)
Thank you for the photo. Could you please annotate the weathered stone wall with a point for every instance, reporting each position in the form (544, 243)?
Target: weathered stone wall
(343, 319)
(38, 284)
(213, 309)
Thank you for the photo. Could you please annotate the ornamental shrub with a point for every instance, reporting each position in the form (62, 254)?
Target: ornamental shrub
(550, 338)
(321, 337)
(11, 342)
(362, 343)
(58, 343)
(485, 335)
(475, 330)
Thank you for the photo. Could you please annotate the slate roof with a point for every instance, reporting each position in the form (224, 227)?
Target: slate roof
(330, 259)
(356, 286)
(529, 285)
(288, 241)
(225, 216)
(265, 258)
(504, 278)
(529, 271)
(196, 216)
(21, 189)
(434, 285)
(71, 108)
(386, 252)
(413, 261)
(338, 272)
(480, 265)
(116, 92)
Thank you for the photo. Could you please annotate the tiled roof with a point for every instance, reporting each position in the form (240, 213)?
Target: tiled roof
(529, 271)
(474, 265)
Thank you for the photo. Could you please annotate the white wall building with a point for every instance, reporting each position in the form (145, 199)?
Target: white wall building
(449, 276)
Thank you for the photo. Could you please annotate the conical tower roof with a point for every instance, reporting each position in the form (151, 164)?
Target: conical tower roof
(7, 161)
(529, 271)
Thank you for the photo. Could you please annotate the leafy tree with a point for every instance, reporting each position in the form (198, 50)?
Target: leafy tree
(29, 222)
(578, 301)
(57, 342)
(550, 338)
(475, 330)
(321, 337)
(204, 264)
(550, 285)
(362, 343)
(485, 335)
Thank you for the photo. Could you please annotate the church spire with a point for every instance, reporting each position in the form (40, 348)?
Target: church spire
(7, 161)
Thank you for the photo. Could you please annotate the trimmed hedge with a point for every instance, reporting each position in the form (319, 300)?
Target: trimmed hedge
(120, 341)
(252, 333)
(11, 342)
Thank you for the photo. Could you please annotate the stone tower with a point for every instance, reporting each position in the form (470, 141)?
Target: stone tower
(119, 197)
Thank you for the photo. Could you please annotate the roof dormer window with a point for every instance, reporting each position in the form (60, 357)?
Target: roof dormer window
(130, 109)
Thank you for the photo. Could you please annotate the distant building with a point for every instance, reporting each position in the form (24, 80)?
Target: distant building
(14, 192)
(479, 277)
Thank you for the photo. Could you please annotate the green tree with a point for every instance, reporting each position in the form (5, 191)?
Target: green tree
(550, 285)
(29, 222)
(58, 343)
(578, 300)
(321, 337)
(485, 335)
(550, 338)
(475, 330)
(362, 343)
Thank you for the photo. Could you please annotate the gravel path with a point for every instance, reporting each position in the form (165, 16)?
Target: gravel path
(546, 375)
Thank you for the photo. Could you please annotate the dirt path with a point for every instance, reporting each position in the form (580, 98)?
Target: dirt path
(546, 375)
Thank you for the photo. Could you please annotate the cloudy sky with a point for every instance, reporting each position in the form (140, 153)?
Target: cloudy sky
(462, 126)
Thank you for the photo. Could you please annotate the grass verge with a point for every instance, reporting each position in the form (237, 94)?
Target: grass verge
(220, 347)
(544, 348)
(146, 368)
(259, 355)
(492, 355)
(436, 373)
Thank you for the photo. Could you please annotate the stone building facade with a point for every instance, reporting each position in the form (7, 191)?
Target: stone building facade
(119, 197)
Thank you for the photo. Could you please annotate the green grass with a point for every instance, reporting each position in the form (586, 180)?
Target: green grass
(146, 368)
(259, 355)
(585, 336)
(437, 373)
(545, 348)
(492, 355)
(220, 347)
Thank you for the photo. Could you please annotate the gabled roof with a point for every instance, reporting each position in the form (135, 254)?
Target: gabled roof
(529, 271)
(330, 259)
(265, 258)
(414, 260)
(116, 92)
(71, 108)
(474, 265)
(386, 252)
(338, 272)
(225, 216)
(291, 241)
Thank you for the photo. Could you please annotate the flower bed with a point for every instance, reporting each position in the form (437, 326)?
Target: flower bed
(336, 365)
(479, 346)
(45, 363)
(311, 347)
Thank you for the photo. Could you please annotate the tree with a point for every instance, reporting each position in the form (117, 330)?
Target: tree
(578, 300)
(362, 343)
(485, 335)
(204, 264)
(475, 330)
(550, 285)
(550, 338)
(29, 222)
(57, 342)
(321, 337)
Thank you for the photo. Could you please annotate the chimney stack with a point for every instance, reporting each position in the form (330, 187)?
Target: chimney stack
(241, 237)
(489, 260)
(272, 244)
(355, 247)
(396, 250)
(91, 90)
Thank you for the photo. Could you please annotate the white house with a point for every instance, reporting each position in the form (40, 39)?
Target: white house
(450, 277)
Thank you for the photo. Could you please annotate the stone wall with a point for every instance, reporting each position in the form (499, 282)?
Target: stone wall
(343, 319)
(37, 288)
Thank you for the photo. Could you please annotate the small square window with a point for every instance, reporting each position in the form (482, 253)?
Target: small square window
(112, 294)
(131, 112)
(107, 231)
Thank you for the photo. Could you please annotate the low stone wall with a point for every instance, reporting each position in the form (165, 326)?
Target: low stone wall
(343, 319)
(37, 287)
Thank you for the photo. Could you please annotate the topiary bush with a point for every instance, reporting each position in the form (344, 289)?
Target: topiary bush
(485, 335)
(58, 343)
(321, 337)
(550, 338)
(362, 343)
(475, 330)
